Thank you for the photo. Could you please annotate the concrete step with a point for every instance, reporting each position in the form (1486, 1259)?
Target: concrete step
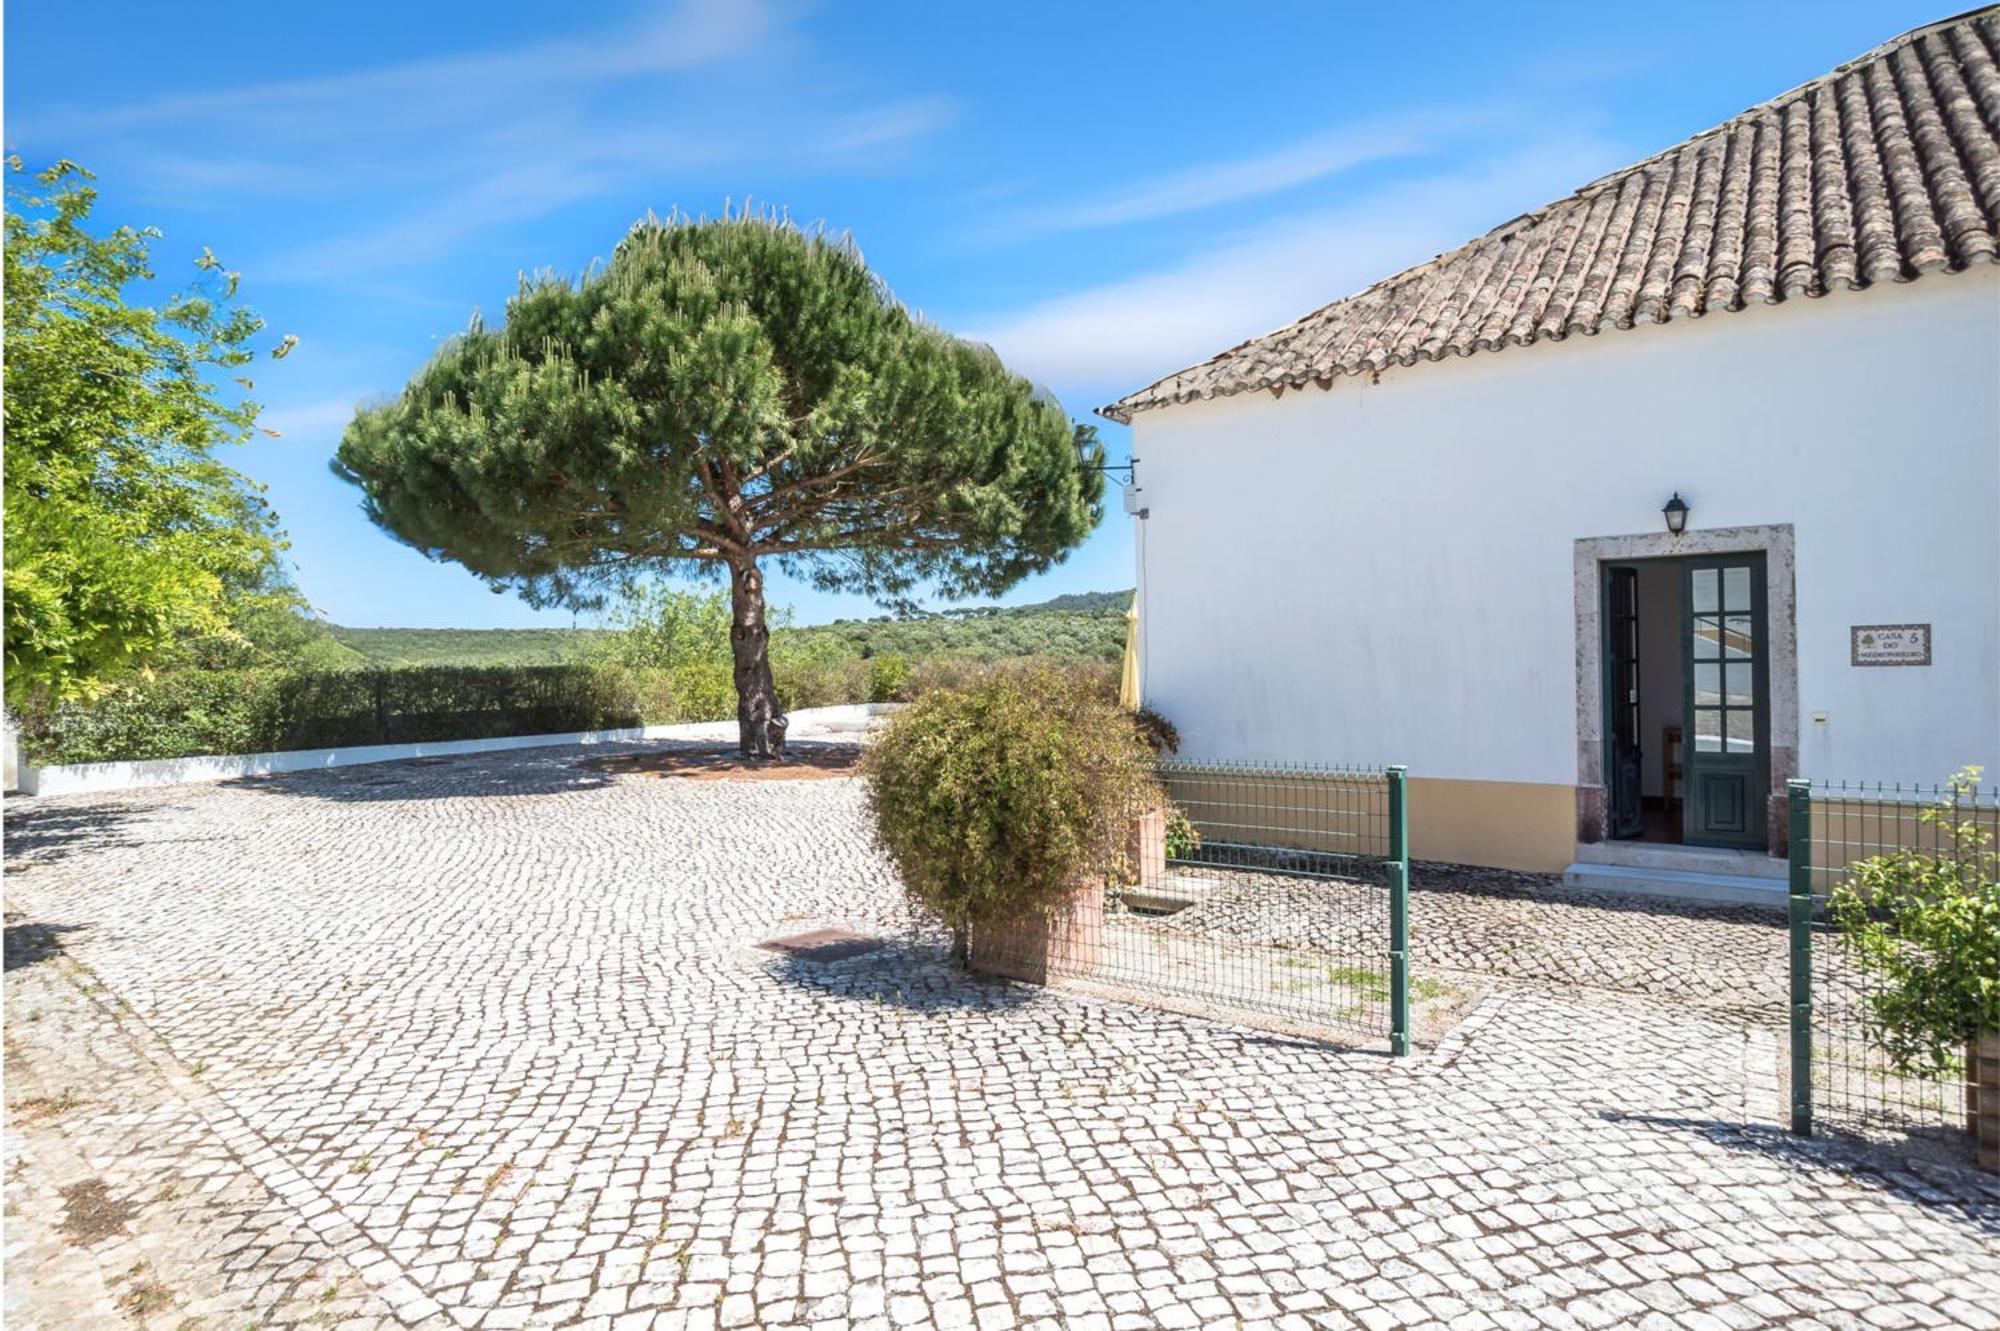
(1683, 859)
(1714, 889)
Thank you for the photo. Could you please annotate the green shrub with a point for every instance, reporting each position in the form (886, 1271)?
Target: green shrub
(1183, 838)
(931, 674)
(1927, 927)
(177, 714)
(700, 690)
(888, 678)
(992, 799)
(820, 681)
(169, 715)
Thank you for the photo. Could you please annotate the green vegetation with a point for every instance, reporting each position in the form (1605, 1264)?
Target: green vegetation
(1926, 927)
(487, 647)
(181, 712)
(992, 799)
(720, 395)
(126, 537)
(1088, 626)
(666, 660)
(1066, 635)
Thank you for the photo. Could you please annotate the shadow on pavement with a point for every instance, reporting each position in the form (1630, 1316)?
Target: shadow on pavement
(1956, 1191)
(915, 977)
(516, 772)
(28, 943)
(40, 833)
(558, 770)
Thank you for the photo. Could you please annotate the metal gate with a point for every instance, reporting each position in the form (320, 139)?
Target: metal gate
(1266, 894)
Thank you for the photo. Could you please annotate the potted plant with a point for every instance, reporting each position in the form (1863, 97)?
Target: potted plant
(1001, 804)
(1926, 927)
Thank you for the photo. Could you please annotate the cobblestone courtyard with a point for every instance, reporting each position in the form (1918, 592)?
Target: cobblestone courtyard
(481, 1042)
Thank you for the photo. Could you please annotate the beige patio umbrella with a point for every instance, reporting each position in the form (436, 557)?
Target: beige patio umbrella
(1128, 679)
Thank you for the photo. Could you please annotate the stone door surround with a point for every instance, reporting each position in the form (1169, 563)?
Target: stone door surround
(1592, 553)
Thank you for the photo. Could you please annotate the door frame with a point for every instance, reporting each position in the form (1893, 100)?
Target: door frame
(1593, 811)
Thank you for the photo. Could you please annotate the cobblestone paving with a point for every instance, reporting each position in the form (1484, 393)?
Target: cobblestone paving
(1512, 924)
(481, 1043)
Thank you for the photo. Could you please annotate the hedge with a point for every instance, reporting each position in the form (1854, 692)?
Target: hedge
(183, 712)
(180, 713)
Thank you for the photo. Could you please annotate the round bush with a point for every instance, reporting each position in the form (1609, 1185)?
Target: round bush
(993, 798)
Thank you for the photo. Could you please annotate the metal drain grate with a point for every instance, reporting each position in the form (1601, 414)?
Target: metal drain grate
(823, 945)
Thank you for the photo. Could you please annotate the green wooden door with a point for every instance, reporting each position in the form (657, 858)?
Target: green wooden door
(1626, 753)
(1726, 682)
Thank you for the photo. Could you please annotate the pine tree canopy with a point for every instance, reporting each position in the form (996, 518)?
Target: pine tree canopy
(723, 392)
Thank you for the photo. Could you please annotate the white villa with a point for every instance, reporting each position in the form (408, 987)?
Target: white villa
(1438, 522)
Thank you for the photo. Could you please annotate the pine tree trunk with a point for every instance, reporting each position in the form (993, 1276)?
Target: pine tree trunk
(760, 721)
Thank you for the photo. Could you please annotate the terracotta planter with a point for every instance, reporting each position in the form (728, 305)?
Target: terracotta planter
(1146, 848)
(1061, 943)
(1982, 1099)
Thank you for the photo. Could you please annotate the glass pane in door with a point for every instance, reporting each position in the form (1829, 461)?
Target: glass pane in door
(1708, 730)
(1705, 641)
(1742, 682)
(1736, 588)
(1707, 684)
(1705, 602)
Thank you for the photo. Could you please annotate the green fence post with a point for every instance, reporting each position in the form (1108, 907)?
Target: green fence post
(1399, 911)
(1798, 838)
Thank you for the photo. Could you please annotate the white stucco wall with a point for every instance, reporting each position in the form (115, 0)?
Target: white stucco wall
(1383, 572)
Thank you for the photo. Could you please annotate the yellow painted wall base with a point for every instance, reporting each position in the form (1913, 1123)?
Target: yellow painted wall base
(1500, 824)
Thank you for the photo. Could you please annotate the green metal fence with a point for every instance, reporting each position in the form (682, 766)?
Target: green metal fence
(1258, 890)
(1842, 1079)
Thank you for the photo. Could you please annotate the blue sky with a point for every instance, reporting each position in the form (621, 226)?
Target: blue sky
(1104, 192)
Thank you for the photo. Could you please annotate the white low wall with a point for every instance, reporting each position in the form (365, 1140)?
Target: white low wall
(76, 778)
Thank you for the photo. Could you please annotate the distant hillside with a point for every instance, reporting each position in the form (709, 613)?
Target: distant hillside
(1079, 626)
(467, 646)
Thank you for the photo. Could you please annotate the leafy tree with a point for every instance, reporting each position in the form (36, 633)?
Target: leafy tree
(720, 395)
(662, 627)
(270, 626)
(125, 535)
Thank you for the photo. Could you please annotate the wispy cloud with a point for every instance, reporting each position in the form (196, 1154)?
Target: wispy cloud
(413, 93)
(1316, 158)
(1108, 339)
(454, 145)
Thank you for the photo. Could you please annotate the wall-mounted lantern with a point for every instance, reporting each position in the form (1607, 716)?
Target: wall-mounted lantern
(1676, 514)
(1088, 450)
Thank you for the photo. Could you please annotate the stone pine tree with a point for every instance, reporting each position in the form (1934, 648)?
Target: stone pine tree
(722, 395)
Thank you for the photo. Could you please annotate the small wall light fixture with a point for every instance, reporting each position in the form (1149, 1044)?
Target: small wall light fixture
(1676, 514)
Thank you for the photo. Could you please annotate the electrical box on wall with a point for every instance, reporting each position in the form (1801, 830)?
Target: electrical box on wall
(1135, 501)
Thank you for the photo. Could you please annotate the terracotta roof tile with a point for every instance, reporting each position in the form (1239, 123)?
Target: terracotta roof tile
(1885, 169)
